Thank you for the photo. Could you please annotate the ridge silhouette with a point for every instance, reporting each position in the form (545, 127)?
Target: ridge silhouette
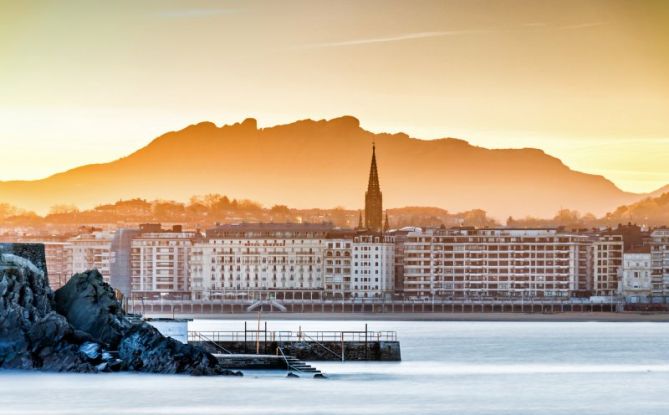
(325, 163)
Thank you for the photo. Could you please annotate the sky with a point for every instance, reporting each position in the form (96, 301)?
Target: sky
(586, 81)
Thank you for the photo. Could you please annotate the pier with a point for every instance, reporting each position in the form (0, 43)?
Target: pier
(363, 345)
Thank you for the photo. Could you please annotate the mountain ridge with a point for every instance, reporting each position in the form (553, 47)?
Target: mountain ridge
(312, 163)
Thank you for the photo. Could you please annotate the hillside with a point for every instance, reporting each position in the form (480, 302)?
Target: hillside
(651, 211)
(325, 164)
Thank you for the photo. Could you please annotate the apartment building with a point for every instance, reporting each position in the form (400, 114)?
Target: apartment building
(337, 269)
(89, 251)
(608, 260)
(373, 265)
(506, 263)
(400, 237)
(636, 272)
(259, 257)
(160, 262)
(659, 250)
(57, 263)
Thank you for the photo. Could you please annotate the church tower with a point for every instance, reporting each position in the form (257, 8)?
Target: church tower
(373, 199)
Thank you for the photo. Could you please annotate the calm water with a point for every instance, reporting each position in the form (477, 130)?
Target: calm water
(447, 367)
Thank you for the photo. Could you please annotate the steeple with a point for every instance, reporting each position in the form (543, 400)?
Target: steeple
(360, 225)
(386, 224)
(373, 198)
(373, 173)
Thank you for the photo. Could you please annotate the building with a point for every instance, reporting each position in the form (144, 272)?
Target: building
(160, 262)
(373, 199)
(400, 237)
(57, 256)
(121, 260)
(608, 259)
(259, 257)
(373, 265)
(337, 261)
(88, 251)
(659, 250)
(465, 263)
(636, 273)
(291, 257)
(57, 263)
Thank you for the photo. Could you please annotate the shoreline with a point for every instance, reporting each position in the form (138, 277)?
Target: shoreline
(487, 317)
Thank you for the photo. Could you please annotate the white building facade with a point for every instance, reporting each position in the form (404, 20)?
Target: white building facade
(337, 270)
(636, 273)
(505, 263)
(258, 257)
(89, 251)
(285, 257)
(373, 266)
(160, 263)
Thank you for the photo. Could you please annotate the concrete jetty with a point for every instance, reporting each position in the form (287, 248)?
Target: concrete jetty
(304, 345)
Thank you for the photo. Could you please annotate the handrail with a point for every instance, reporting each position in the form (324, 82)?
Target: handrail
(288, 365)
(289, 335)
(218, 346)
(323, 346)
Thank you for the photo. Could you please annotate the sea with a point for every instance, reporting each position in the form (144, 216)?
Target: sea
(468, 368)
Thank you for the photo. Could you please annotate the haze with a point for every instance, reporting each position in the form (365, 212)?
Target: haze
(84, 82)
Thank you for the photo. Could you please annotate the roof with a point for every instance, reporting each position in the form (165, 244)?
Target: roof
(268, 229)
(638, 250)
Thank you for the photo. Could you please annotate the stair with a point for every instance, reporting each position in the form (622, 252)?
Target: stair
(299, 366)
(270, 303)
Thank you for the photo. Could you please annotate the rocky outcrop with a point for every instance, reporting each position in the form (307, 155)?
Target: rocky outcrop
(32, 335)
(82, 328)
(90, 305)
(144, 349)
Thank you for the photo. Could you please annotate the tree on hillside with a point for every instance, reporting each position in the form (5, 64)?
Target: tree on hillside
(168, 210)
(196, 208)
(650, 211)
(7, 210)
(279, 210)
(478, 218)
(246, 205)
(133, 207)
(63, 209)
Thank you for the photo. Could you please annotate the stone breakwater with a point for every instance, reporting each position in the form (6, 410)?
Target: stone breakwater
(81, 327)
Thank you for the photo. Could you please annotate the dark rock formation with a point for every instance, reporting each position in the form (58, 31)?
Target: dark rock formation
(82, 328)
(144, 349)
(90, 305)
(32, 335)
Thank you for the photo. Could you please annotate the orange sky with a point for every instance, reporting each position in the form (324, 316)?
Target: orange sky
(586, 81)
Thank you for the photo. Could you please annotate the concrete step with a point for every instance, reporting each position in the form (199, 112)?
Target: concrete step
(301, 367)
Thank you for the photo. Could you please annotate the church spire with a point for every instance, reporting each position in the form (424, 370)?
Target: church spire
(373, 173)
(373, 198)
(386, 224)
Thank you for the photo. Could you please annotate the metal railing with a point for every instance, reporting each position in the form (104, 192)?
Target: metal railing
(292, 336)
(198, 336)
(324, 347)
(182, 305)
(289, 366)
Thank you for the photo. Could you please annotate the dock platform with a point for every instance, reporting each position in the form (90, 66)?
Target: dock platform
(267, 362)
(303, 345)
